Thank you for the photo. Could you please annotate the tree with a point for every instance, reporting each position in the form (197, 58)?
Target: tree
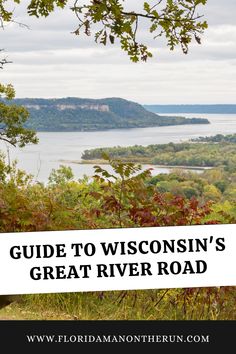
(61, 176)
(108, 20)
(12, 131)
(12, 119)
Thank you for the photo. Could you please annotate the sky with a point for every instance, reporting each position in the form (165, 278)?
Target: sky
(48, 61)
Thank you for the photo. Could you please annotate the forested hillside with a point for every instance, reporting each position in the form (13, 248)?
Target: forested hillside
(77, 114)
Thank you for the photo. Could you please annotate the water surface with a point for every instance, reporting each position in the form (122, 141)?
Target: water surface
(56, 147)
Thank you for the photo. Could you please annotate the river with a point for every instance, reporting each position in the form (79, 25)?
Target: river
(58, 148)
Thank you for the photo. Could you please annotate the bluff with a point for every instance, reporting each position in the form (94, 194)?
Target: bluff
(85, 114)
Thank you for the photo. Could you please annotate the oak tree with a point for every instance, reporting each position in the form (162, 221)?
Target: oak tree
(110, 20)
(12, 119)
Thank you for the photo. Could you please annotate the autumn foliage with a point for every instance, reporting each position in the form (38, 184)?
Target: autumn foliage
(121, 198)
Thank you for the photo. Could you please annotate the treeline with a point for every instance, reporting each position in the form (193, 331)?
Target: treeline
(192, 108)
(180, 154)
(219, 138)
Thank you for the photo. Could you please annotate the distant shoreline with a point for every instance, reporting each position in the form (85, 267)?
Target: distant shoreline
(195, 121)
(191, 108)
(105, 162)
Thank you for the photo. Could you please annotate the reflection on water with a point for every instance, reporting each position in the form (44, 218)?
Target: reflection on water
(54, 147)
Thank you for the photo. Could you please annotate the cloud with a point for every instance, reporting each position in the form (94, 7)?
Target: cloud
(49, 61)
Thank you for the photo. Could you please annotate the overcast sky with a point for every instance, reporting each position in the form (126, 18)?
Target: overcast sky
(49, 61)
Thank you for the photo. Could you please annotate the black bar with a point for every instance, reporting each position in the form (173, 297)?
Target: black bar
(88, 334)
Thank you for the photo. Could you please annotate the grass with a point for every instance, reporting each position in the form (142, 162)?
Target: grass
(22, 312)
(175, 304)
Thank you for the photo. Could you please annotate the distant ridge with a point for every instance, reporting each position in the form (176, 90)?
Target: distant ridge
(85, 114)
(194, 108)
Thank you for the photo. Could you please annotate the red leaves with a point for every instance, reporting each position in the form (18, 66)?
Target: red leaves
(147, 208)
(143, 217)
(194, 203)
(111, 203)
(158, 198)
(212, 222)
(173, 211)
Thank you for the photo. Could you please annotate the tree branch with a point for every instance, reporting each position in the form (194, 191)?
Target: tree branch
(8, 141)
(152, 17)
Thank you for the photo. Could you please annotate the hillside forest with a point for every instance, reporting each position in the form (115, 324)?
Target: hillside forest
(86, 114)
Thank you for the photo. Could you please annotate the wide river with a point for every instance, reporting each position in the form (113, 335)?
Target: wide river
(59, 148)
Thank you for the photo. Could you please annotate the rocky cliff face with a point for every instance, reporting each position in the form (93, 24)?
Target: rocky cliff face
(63, 107)
(91, 107)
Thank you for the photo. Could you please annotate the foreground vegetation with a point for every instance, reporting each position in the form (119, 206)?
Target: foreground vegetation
(172, 304)
(126, 197)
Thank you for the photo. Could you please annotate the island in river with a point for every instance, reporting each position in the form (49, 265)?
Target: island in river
(203, 152)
